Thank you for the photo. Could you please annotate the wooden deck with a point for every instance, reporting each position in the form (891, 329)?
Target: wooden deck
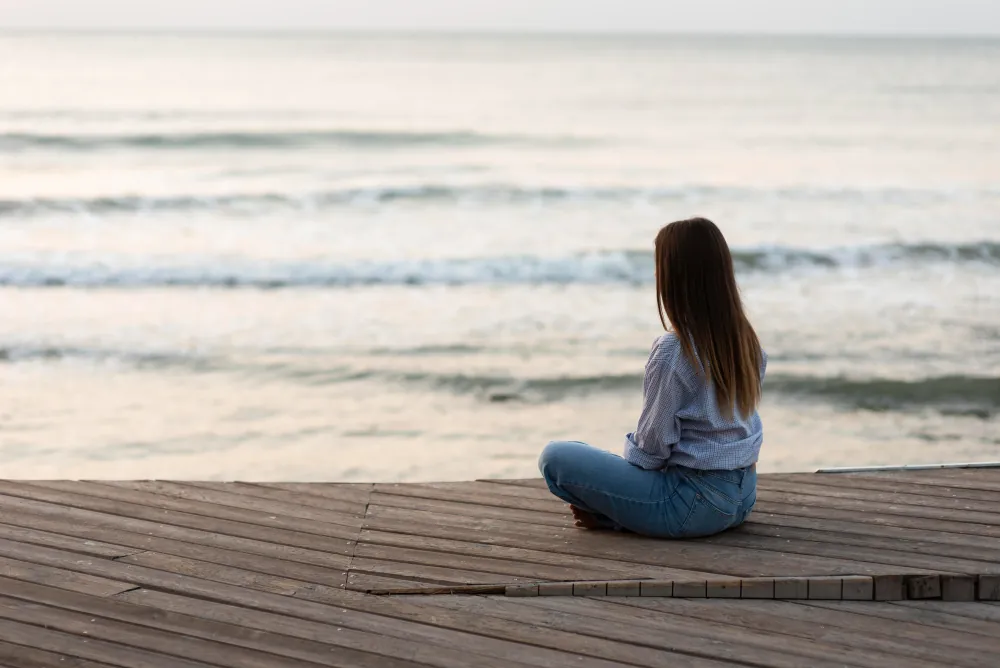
(183, 574)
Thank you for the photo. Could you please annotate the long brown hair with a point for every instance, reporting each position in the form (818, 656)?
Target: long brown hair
(696, 291)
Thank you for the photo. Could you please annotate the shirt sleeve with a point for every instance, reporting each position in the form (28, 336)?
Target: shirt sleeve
(658, 431)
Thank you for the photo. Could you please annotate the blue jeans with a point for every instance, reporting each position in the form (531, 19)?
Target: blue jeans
(677, 502)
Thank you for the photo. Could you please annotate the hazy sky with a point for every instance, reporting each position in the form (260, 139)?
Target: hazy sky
(814, 16)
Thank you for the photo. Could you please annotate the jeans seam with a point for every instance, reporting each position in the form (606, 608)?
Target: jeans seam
(616, 496)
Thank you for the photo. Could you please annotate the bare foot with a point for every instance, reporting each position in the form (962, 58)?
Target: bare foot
(585, 520)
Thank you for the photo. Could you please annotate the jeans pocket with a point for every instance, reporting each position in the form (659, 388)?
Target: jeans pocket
(709, 512)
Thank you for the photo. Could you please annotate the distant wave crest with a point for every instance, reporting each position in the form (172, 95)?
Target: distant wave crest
(478, 194)
(596, 268)
(961, 395)
(234, 140)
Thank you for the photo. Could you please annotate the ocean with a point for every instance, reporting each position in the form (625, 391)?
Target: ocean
(392, 257)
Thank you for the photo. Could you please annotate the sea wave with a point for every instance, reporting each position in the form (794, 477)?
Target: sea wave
(234, 140)
(973, 396)
(478, 194)
(594, 268)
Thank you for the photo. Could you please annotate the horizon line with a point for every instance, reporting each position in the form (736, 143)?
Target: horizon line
(459, 32)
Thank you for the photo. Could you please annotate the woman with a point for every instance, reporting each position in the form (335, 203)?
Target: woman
(690, 466)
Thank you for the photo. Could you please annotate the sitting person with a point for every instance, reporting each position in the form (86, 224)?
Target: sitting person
(690, 466)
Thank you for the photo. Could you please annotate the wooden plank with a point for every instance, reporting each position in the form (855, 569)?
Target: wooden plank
(872, 503)
(533, 483)
(159, 502)
(607, 618)
(93, 649)
(395, 619)
(785, 541)
(678, 556)
(251, 562)
(472, 510)
(923, 586)
(964, 479)
(349, 492)
(491, 487)
(889, 497)
(836, 628)
(71, 543)
(178, 647)
(920, 541)
(144, 534)
(919, 614)
(958, 587)
(354, 504)
(972, 610)
(19, 656)
(368, 583)
(14, 569)
(886, 483)
(426, 573)
(473, 496)
(512, 549)
(278, 533)
(182, 626)
(813, 508)
(477, 525)
(487, 565)
(348, 641)
(347, 514)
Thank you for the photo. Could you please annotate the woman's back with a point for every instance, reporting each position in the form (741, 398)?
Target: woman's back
(682, 421)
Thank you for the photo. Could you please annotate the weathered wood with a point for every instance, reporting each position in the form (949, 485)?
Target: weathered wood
(988, 588)
(791, 588)
(623, 588)
(875, 502)
(958, 587)
(337, 539)
(729, 588)
(145, 535)
(887, 482)
(555, 589)
(656, 588)
(183, 626)
(354, 506)
(618, 619)
(94, 649)
(881, 549)
(135, 499)
(921, 614)
(521, 590)
(426, 649)
(473, 496)
(858, 588)
(590, 589)
(13, 569)
(504, 568)
(348, 514)
(757, 588)
(690, 589)
(20, 656)
(82, 545)
(630, 637)
(472, 510)
(894, 497)
(276, 572)
(923, 586)
(833, 627)
(826, 588)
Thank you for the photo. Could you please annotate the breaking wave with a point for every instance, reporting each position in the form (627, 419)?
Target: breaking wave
(605, 267)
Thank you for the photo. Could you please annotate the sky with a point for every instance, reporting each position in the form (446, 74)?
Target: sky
(893, 17)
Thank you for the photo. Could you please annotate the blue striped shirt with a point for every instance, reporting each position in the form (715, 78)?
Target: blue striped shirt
(681, 423)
